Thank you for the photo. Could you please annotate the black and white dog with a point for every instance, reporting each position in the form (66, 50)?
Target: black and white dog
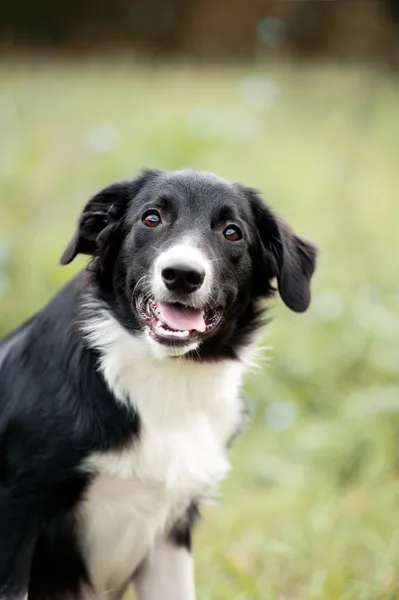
(118, 400)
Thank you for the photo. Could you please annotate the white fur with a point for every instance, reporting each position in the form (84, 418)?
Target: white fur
(167, 575)
(188, 411)
(187, 251)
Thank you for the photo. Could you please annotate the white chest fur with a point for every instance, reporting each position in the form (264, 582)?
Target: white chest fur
(188, 412)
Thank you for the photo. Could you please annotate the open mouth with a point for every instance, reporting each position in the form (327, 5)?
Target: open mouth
(175, 323)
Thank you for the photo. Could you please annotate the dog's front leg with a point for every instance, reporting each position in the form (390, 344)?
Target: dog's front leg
(17, 541)
(167, 574)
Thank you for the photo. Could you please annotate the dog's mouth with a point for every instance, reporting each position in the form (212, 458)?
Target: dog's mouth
(176, 323)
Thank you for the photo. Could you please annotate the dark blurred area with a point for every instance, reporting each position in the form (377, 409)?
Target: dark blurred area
(206, 29)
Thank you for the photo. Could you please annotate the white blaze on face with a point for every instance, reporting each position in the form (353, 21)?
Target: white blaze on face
(192, 256)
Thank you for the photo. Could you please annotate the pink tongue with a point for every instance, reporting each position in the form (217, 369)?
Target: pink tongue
(181, 318)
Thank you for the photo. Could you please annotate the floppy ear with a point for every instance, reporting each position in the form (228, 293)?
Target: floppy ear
(294, 258)
(105, 209)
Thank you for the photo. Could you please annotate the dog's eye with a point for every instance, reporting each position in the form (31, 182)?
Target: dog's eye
(232, 233)
(151, 218)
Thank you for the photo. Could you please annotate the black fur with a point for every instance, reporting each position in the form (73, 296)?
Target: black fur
(54, 410)
(181, 531)
(55, 407)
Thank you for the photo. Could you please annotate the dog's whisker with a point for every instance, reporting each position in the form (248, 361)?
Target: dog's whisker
(137, 284)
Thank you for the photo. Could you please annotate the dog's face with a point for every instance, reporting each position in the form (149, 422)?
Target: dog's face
(185, 257)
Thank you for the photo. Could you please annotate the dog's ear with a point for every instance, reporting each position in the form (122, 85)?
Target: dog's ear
(105, 207)
(293, 259)
(104, 210)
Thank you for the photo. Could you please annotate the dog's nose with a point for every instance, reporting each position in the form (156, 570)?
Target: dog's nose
(183, 277)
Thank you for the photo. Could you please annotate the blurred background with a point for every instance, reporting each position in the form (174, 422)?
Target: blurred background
(299, 99)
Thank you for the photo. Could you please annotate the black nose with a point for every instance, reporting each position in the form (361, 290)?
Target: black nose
(183, 278)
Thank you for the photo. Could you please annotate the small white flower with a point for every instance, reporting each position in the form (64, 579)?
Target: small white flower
(102, 138)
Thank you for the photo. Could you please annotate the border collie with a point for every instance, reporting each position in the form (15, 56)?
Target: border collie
(119, 399)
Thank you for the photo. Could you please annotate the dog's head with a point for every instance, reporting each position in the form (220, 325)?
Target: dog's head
(184, 258)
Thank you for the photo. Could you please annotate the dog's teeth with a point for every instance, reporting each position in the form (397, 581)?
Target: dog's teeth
(160, 329)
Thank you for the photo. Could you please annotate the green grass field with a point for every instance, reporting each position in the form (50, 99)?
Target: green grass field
(311, 508)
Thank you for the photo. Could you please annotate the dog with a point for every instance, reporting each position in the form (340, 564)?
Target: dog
(119, 399)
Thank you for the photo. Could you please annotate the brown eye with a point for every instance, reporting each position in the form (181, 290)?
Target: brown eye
(151, 218)
(232, 233)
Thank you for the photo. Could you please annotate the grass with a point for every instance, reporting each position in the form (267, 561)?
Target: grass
(311, 508)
